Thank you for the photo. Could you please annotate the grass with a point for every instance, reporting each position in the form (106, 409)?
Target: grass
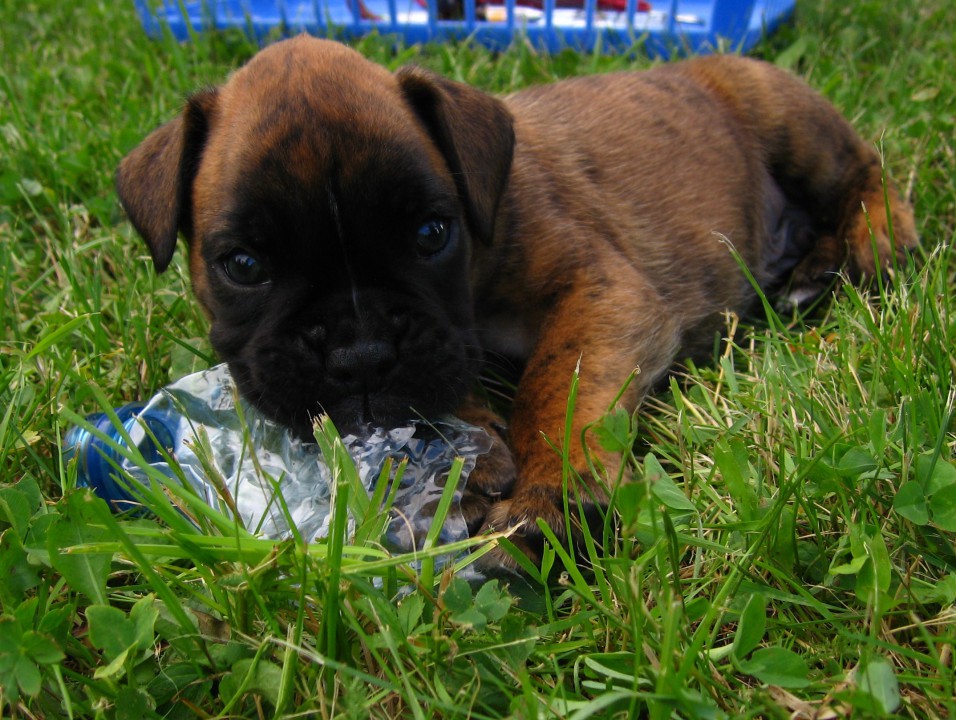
(789, 551)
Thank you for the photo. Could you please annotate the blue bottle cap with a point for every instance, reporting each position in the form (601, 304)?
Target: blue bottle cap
(97, 461)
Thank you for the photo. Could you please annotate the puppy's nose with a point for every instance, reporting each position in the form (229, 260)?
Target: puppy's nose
(362, 365)
(314, 335)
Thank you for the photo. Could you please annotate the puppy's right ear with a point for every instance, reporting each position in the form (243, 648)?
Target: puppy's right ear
(474, 132)
(154, 181)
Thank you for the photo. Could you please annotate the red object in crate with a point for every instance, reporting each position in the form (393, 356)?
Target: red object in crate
(619, 5)
(616, 5)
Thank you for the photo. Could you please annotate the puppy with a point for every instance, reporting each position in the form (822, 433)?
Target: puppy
(363, 242)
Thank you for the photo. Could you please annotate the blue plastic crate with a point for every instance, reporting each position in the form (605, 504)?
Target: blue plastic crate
(666, 27)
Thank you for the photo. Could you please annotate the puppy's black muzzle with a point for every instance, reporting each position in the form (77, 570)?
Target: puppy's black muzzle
(362, 366)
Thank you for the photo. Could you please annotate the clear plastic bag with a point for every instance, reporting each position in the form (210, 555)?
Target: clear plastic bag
(201, 411)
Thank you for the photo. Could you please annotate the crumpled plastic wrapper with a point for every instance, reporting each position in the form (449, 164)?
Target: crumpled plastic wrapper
(203, 406)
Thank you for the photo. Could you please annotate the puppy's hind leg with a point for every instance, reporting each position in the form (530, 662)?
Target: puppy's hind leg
(824, 168)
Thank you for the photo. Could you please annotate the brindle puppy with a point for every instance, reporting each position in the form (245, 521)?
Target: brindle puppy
(361, 240)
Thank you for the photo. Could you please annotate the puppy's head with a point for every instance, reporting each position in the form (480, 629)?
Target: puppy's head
(331, 210)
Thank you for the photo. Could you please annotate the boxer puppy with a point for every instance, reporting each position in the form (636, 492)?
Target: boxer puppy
(363, 242)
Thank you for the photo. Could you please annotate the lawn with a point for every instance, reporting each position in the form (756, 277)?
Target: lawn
(788, 549)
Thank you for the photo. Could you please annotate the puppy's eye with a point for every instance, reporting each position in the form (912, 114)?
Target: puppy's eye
(244, 269)
(432, 237)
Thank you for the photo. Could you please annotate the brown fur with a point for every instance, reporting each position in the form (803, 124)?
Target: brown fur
(600, 235)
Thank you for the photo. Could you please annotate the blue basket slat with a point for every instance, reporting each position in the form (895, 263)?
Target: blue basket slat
(671, 27)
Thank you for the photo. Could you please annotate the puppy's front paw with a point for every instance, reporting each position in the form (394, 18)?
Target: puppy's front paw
(491, 479)
(522, 512)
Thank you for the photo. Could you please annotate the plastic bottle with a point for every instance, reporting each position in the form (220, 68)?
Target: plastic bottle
(203, 410)
(97, 460)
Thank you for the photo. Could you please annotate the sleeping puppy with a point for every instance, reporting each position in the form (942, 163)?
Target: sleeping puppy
(363, 241)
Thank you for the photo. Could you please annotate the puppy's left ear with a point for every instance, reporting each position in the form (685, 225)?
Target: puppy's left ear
(474, 132)
(154, 182)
